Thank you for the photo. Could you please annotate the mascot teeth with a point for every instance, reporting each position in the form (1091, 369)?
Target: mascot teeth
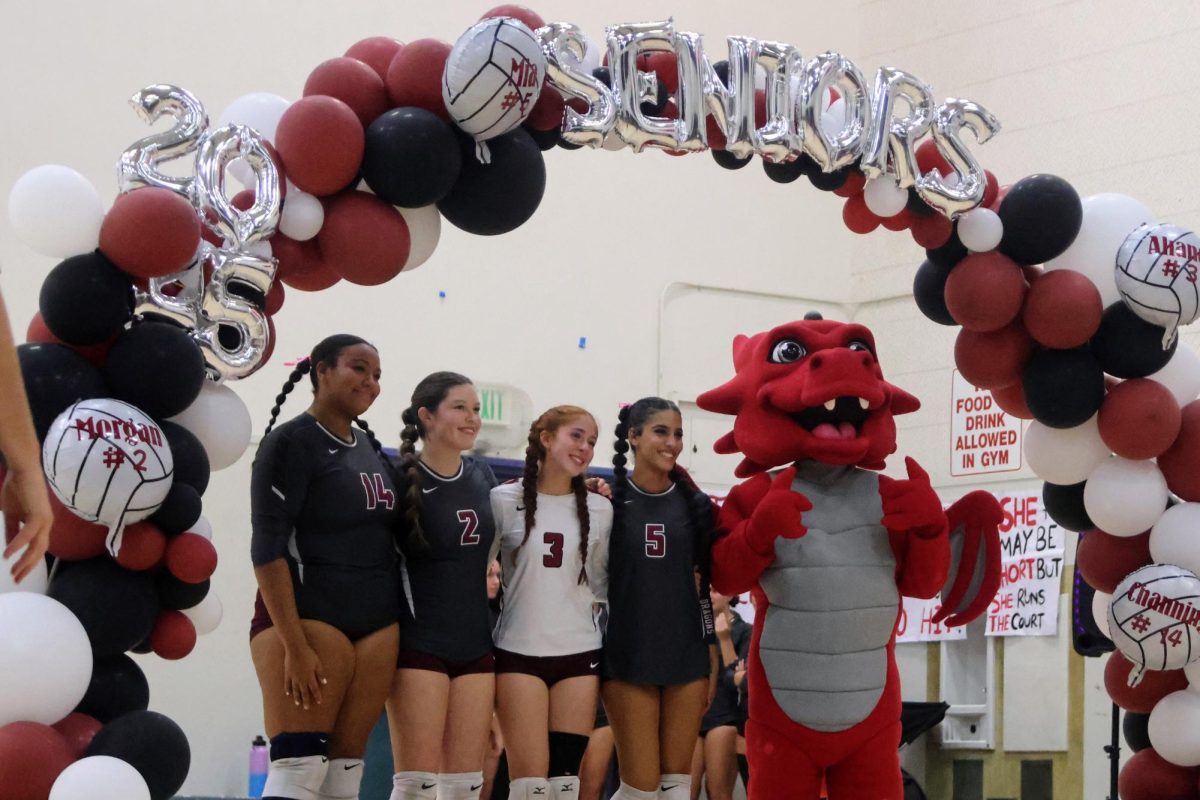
(829, 404)
(862, 401)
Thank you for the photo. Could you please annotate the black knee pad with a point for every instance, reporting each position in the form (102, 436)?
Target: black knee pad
(566, 751)
(299, 745)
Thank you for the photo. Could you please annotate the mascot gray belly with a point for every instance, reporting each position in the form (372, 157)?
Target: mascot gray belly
(833, 603)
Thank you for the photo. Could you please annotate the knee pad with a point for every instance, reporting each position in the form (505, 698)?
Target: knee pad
(298, 766)
(459, 785)
(675, 786)
(342, 779)
(627, 792)
(566, 752)
(529, 789)
(564, 787)
(414, 786)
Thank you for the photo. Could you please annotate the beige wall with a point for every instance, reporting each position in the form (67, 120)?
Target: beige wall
(1102, 93)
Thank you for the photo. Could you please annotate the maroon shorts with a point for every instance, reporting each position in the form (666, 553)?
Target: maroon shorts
(414, 659)
(551, 669)
(262, 620)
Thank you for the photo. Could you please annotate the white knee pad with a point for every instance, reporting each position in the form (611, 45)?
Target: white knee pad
(459, 785)
(565, 787)
(627, 792)
(296, 778)
(342, 779)
(675, 786)
(529, 789)
(414, 786)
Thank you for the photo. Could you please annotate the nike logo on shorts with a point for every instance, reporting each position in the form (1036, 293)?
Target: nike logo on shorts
(593, 664)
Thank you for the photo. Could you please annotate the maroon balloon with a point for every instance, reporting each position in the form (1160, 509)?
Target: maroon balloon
(1104, 560)
(1139, 419)
(73, 538)
(301, 265)
(857, 217)
(320, 140)
(38, 332)
(1154, 685)
(78, 729)
(142, 546)
(352, 82)
(364, 239)
(1011, 400)
(547, 113)
(376, 52)
(1180, 463)
(1149, 776)
(275, 298)
(31, 757)
(150, 232)
(984, 291)
(931, 231)
(173, 636)
(191, 558)
(1062, 309)
(414, 78)
(527, 15)
(993, 360)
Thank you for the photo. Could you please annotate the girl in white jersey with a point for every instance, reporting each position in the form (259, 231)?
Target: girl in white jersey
(553, 539)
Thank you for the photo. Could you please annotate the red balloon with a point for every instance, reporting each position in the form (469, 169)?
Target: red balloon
(352, 82)
(301, 265)
(1104, 560)
(191, 558)
(930, 157)
(990, 190)
(78, 729)
(855, 183)
(898, 222)
(364, 239)
(716, 136)
(1011, 400)
(1062, 309)
(173, 635)
(984, 291)
(547, 113)
(271, 339)
(1149, 776)
(414, 78)
(31, 757)
(142, 546)
(38, 332)
(1180, 463)
(150, 232)
(858, 217)
(275, 297)
(931, 231)
(993, 360)
(1139, 419)
(376, 52)
(1001, 193)
(320, 141)
(527, 15)
(73, 538)
(1154, 686)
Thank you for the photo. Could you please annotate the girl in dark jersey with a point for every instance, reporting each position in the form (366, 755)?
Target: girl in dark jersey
(440, 708)
(324, 634)
(659, 654)
(715, 762)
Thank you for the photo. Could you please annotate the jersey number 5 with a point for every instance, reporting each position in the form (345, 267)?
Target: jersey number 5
(656, 540)
(554, 558)
(377, 491)
(470, 523)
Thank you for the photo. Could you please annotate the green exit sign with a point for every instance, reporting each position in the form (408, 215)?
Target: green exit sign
(493, 405)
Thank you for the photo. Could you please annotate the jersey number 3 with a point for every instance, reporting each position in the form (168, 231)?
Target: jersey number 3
(656, 540)
(553, 559)
(377, 491)
(470, 523)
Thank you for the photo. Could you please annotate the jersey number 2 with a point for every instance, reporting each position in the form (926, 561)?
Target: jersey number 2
(554, 558)
(470, 523)
(656, 540)
(377, 491)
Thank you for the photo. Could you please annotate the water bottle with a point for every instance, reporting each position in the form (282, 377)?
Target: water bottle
(258, 766)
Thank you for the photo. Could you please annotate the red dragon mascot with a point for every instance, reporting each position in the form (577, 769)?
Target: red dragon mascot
(828, 546)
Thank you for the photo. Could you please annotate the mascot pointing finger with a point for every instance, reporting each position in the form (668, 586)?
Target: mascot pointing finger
(828, 546)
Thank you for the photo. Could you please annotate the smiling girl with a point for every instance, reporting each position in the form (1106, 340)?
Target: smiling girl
(553, 544)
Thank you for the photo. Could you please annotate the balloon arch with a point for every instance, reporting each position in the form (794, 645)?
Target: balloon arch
(1068, 308)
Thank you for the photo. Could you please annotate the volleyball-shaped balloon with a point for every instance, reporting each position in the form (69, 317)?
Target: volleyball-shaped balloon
(492, 77)
(108, 462)
(1154, 617)
(1157, 268)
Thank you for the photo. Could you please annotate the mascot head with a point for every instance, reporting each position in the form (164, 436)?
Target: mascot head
(810, 389)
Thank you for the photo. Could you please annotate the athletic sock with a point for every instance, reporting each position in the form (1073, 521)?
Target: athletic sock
(675, 786)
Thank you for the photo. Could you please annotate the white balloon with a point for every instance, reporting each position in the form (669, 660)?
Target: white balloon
(56, 211)
(221, 421)
(833, 118)
(259, 110)
(1107, 220)
(100, 778)
(980, 230)
(1175, 538)
(424, 230)
(1192, 671)
(1125, 497)
(202, 527)
(1174, 728)
(884, 198)
(1064, 455)
(613, 143)
(1181, 375)
(45, 659)
(1100, 603)
(302, 216)
(206, 615)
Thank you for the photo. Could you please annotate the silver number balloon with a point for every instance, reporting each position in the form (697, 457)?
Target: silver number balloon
(951, 117)
(564, 46)
(138, 165)
(220, 148)
(841, 148)
(778, 140)
(891, 145)
(221, 308)
(632, 87)
(182, 304)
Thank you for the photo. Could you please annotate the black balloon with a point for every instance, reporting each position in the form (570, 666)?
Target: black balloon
(177, 595)
(1135, 729)
(1041, 215)
(179, 511)
(497, 197)
(1086, 637)
(545, 140)
(118, 686)
(565, 145)
(152, 744)
(1129, 346)
(929, 290)
(788, 171)
(829, 181)
(950, 253)
(188, 455)
(1064, 504)
(55, 376)
(603, 75)
(1063, 388)
(86, 299)
(916, 205)
(411, 158)
(157, 367)
(116, 606)
(728, 160)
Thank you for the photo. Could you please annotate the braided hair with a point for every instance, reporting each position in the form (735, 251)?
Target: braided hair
(428, 394)
(535, 456)
(632, 419)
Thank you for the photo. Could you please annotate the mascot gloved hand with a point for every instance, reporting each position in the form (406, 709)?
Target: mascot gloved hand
(828, 546)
